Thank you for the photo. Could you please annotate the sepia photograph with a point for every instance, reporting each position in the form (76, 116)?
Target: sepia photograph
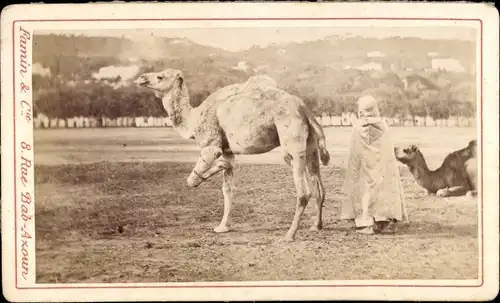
(247, 152)
(187, 154)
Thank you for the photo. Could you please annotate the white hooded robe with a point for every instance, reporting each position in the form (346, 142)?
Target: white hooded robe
(372, 180)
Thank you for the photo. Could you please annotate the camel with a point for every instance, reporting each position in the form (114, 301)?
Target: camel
(253, 117)
(457, 175)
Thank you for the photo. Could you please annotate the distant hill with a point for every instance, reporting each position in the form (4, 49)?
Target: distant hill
(322, 72)
(339, 53)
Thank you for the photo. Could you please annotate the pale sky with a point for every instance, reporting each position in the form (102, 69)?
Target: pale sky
(236, 39)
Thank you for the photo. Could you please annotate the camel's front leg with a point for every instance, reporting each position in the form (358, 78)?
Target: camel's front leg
(227, 191)
(452, 191)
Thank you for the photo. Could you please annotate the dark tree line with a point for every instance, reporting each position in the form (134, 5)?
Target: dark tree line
(99, 99)
(69, 90)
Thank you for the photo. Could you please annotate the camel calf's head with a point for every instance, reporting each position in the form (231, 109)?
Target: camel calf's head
(472, 147)
(163, 81)
(406, 155)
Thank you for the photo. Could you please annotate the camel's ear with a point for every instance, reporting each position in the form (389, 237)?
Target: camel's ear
(180, 78)
(414, 148)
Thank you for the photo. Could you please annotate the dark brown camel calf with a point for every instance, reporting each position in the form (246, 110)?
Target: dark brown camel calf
(457, 175)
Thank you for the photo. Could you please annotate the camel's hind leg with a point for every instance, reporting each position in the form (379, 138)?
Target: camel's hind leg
(298, 164)
(293, 133)
(314, 172)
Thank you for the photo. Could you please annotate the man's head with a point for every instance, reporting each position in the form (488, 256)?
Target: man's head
(367, 107)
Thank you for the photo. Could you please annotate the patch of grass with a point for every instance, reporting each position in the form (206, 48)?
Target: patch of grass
(138, 222)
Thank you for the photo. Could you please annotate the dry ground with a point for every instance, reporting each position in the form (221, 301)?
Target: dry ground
(112, 206)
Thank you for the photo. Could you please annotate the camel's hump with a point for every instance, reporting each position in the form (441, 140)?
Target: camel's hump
(261, 80)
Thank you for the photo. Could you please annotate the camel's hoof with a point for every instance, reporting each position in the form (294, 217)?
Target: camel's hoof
(442, 193)
(288, 238)
(221, 229)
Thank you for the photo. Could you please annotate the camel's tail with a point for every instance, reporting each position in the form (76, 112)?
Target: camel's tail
(320, 135)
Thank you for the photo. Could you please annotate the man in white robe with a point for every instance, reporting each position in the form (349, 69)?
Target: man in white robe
(374, 194)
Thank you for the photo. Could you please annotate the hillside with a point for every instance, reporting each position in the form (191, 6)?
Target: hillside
(328, 74)
(339, 52)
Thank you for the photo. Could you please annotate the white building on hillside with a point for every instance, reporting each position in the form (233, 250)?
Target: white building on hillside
(38, 69)
(242, 65)
(280, 51)
(375, 54)
(448, 64)
(370, 66)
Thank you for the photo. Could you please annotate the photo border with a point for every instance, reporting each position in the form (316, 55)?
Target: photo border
(270, 284)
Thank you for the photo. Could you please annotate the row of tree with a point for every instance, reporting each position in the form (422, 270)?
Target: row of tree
(99, 99)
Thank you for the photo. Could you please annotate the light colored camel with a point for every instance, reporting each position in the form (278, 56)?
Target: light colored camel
(247, 118)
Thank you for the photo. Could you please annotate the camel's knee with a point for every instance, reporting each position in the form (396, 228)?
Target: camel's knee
(443, 193)
(288, 159)
(304, 194)
(303, 200)
(313, 162)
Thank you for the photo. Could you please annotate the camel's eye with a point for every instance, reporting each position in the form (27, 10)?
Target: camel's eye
(406, 150)
(160, 77)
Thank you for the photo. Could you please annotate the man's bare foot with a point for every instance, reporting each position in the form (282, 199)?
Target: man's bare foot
(347, 223)
(366, 230)
(386, 227)
(390, 228)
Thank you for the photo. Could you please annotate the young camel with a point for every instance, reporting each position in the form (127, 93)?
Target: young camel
(247, 118)
(457, 175)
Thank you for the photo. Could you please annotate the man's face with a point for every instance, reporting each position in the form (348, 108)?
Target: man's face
(366, 112)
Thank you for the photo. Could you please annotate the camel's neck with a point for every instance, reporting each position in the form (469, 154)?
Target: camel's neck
(176, 103)
(423, 175)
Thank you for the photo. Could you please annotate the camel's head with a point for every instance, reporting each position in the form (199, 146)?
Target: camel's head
(472, 147)
(407, 155)
(209, 163)
(162, 82)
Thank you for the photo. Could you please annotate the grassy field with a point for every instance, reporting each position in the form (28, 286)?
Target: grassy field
(112, 206)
